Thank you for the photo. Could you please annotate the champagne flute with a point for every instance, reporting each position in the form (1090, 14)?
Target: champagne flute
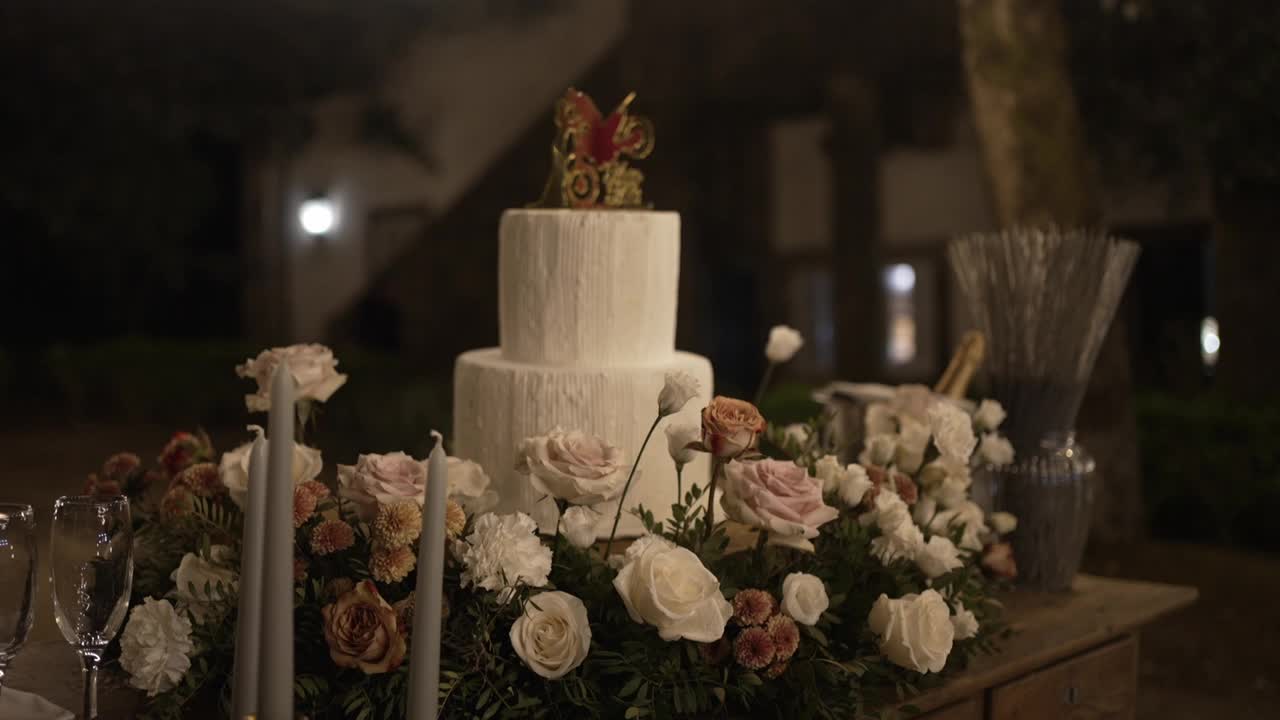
(92, 562)
(17, 579)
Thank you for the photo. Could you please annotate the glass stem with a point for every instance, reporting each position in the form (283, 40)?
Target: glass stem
(2, 669)
(90, 661)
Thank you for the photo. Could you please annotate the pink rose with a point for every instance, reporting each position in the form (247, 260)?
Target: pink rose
(573, 466)
(381, 480)
(730, 427)
(778, 496)
(314, 369)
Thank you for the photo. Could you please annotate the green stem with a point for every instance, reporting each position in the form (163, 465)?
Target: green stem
(717, 465)
(764, 382)
(625, 488)
(762, 539)
(679, 484)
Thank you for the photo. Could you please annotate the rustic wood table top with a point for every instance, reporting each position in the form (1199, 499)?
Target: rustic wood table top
(1047, 627)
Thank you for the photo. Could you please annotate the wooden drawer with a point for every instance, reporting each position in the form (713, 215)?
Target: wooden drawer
(1098, 685)
(967, 709)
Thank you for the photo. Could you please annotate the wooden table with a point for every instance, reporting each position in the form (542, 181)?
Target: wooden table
(1074, 655)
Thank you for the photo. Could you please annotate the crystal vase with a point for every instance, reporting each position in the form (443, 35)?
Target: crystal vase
(1050, 490)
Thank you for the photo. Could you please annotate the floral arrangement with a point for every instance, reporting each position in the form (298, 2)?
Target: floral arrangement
(833, 590)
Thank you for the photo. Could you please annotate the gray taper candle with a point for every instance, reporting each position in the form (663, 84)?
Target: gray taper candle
(424, 665)
(244, 686)
(276, 697)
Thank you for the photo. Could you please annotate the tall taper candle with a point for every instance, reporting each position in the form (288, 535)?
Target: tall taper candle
(276, 696)
(244, 685)
(424, 666)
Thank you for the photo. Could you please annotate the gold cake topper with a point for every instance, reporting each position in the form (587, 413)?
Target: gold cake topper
(589, 156)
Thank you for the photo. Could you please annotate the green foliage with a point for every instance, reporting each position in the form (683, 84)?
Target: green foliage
(1211, 469)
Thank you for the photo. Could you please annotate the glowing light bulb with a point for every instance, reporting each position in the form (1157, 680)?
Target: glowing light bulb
(900, 278)
(1210, 341)
(317, 216)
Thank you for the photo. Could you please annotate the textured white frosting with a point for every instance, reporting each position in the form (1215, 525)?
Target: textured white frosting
(588, 288)
(498, 403)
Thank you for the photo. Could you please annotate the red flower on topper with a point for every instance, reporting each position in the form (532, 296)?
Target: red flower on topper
(589, 156)
(601, 139)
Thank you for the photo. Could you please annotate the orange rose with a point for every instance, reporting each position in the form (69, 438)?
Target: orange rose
(730, 427)
(360, 629)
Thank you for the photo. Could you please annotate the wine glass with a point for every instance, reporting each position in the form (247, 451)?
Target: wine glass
(17, 579)
(92, 561)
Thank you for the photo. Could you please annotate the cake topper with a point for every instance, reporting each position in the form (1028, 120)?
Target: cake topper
(589, 155)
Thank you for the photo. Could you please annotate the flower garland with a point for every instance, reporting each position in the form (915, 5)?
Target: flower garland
(836, 589)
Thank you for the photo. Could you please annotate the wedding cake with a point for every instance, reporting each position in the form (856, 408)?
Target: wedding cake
(587, 320)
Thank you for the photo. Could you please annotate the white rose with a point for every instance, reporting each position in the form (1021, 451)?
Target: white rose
(1003, 523)
(964, 622)
(196, 582)
(313, 367)
(668, 587)
(579, 525)
(503, 551)
(995, 449)
(233, 469)
(784, 343)
(469, 486)
(879, 450)
(573, 466)
(679, 437)
(156, 647)
(677, 390)
(952, 431)
(804, 598)
(989, 415)
(915, 630)
(886, 504)
(938, 557)
(968, 517)
(878, 420)
(552, 635)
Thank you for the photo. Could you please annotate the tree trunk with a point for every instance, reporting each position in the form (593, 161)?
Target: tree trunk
(1041, 172)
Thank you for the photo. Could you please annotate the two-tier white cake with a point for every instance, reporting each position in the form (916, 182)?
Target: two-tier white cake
(587, 321)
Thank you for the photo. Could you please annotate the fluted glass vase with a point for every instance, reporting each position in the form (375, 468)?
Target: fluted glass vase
(1050, 490)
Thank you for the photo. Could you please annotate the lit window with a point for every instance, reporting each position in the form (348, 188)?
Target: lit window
(900, 332)
(317, 216)
(1210, 341)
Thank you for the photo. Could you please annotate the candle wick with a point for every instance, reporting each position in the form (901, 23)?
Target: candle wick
(439, 438)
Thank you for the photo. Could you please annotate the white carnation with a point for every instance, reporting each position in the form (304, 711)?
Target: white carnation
(155, 648)
(852, 485)
(899, 539)
(995, 450)
(797, 434)
(784, 343)
(968, 517)
(913, 440)
(828, 470)
(503, 551)
(952, 431)
(989, 415)
(938, 557)
(678, 389)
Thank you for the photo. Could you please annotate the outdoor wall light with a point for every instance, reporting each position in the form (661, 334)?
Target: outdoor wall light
(318, 216)
(1210, 341)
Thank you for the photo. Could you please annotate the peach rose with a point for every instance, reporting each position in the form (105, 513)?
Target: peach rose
(361, 631)
(730, 427)
(998, 560)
